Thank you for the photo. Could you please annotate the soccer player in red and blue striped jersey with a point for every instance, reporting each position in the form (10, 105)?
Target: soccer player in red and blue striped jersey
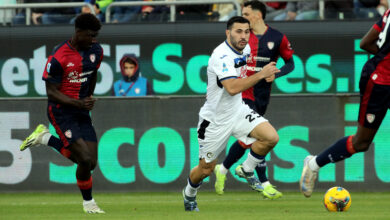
(374, 103)
(70, 76)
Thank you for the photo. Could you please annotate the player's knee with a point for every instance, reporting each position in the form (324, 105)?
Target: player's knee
(86, 161)
(361, 146)
(272, 140)
(93, 164)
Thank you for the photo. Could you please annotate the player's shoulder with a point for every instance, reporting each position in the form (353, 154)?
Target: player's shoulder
(274, 32)
(221, 52)
(58, 48)
(97, 47)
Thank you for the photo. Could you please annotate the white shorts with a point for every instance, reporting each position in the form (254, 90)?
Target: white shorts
(213, 137)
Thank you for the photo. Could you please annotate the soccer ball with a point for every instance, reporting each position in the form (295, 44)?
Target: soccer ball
(337, 199)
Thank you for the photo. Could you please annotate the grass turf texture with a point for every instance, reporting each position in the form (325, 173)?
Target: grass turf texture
(231, 205)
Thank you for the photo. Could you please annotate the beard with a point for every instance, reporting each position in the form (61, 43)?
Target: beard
(237, 44)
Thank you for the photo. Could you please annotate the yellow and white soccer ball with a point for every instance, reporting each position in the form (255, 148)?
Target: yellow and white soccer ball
(337, 199)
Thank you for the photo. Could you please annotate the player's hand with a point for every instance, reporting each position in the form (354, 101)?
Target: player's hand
(88, 103)
(269, 70)
(270, 78)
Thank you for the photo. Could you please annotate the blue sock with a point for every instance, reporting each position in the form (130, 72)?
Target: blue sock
(261, 170)
(235, 153)
(55, 143)
(334, 153)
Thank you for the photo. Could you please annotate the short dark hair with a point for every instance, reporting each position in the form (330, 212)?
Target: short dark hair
(257, 5)
(87, 22)
(236, 19)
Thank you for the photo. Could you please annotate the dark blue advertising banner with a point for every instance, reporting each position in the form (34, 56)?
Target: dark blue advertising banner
(173, 57)
(150, 144)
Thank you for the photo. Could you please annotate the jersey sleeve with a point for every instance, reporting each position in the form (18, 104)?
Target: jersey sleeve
(285, 49)
(380, 24)
(100, 59)
(224, 67)
(53, 71)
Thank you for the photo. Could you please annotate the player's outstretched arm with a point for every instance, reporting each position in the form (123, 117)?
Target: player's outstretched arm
(368, 42)
(236, 85)
(54, 94)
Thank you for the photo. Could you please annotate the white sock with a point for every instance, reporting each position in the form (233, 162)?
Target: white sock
(313, 164)
(88, 201)
(266, 183)
(45, 139)
(191, 191)
(250, 163)
(223, 170)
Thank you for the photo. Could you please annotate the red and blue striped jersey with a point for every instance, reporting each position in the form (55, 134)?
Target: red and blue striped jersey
(378, 67)
(265, 49)
(73, 69)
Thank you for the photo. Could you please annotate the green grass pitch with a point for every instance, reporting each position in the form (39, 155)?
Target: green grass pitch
(157, 206)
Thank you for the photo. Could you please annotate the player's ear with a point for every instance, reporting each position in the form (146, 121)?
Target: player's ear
(227, 33)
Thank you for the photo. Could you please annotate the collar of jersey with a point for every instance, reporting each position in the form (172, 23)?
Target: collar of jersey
(235, 51)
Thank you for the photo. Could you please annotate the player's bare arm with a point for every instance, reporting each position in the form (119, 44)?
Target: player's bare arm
(368, 42)
(236, 85)
(54, 94)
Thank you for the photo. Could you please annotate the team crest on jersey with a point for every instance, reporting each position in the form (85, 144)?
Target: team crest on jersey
(48, 67)
(209, 155)
(137, 90)
(92, 57)
(370, 118)
(68, 134)
(374, 77)
(270, 45)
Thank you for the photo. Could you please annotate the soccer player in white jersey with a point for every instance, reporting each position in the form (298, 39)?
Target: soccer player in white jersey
(224, 114)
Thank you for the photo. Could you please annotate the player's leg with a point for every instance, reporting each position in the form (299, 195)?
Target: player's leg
(263, 138)
(86, 161)
(270, 190)
(341, 150)
(197, 174)
(374, 103)
(266, 138)
(212, 140)
(237, 150)
(90, 139)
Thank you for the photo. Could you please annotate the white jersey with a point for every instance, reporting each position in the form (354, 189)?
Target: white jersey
(225, 63)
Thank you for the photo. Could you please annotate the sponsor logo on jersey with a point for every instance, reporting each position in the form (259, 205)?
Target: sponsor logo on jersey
(270, 45)
(137, 90)
(239, 62)
(70, 64)
(68, 134)
(243, 72)
(92, 57)
(262, 59)
(370, 118)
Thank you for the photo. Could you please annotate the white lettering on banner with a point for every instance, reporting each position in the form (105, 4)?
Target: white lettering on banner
(37, 65)
(9, 77)
(15, 73)
(20, 168)
(107, 75)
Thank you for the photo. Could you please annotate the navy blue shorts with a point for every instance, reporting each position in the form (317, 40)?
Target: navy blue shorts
(374, 102)
(71, 124)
